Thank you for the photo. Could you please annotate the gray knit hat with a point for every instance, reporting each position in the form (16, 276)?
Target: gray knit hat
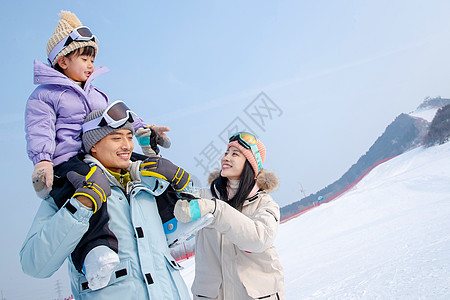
(92, 137)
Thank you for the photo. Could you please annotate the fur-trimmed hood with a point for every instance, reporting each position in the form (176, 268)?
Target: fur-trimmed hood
(266, 180)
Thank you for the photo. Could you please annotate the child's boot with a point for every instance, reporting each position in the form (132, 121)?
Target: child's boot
(99, 264)
(178, 232)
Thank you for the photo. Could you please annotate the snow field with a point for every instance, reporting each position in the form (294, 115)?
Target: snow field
(387, 238)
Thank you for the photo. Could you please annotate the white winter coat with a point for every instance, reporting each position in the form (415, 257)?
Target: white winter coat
(234, 256)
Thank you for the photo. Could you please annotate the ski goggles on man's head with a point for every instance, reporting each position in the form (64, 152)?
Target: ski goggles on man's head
(248, 141)
(82, 33)
(115, 115)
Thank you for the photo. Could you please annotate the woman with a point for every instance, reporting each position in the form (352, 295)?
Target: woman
(234, 256)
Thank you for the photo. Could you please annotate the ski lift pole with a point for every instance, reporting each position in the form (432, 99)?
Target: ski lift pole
(185, 251)
(306, 198)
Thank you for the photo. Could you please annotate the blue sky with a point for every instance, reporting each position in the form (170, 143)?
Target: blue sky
(336, 73)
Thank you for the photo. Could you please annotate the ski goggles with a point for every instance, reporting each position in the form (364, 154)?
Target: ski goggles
(248, 141)
(115, 115)
(82, 33)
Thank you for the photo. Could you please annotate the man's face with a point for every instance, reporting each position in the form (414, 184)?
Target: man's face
(114, 150)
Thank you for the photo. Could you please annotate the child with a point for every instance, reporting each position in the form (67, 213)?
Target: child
(54, 115)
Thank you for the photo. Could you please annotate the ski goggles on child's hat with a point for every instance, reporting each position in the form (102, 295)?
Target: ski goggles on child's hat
(115, 115)
(248, 141)
(82, 33)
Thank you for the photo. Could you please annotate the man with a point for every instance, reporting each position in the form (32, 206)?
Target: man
(146, 269)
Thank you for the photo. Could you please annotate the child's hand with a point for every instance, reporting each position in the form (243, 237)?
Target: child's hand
(42, 178)
(150, 137)
(146, 138)
(161, 137)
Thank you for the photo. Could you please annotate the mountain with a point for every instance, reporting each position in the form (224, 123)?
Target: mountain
(439, 132)
(406, 132)
(386, 238)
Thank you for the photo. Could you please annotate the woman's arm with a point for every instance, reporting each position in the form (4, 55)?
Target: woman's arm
(252, 234)
(53, 236)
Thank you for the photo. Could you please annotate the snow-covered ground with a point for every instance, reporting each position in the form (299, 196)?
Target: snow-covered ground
(425, 114)
(388, 238)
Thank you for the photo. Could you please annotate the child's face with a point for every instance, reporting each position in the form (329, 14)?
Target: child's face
(77, 67)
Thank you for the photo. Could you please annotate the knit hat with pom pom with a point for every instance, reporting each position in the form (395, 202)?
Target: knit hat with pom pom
(67, 23)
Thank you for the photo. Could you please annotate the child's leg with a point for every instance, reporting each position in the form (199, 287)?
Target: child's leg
(177, 232)
(98, 233)
(62, 189)
(96, 254)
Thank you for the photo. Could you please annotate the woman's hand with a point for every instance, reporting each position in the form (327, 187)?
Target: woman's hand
(186, 211)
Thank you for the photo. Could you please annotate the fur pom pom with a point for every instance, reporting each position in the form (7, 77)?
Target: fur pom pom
(70, 18)
(213, 176)
(267, 181)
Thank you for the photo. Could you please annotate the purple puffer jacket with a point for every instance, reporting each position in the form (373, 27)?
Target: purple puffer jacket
(55, 112)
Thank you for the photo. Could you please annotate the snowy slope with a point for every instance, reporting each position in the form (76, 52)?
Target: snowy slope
(425, 114)
(388, 238)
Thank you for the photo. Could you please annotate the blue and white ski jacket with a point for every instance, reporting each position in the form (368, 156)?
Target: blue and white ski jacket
(146, 270)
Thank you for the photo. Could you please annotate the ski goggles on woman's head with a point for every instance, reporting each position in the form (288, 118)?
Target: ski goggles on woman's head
(82, 33)
(248, 141)
(115, 115)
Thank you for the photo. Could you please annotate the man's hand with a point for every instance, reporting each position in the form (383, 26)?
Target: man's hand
(165, 169)
(42, 178)
(94, 186)
(188, 209)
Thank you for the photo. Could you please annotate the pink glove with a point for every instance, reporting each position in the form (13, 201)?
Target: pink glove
(42, 178)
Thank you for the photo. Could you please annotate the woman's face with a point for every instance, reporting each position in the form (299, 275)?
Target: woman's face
(233, 163)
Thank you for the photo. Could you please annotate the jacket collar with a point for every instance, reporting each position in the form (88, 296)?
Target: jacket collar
(44, 74)
(156, 185)
(133, 169)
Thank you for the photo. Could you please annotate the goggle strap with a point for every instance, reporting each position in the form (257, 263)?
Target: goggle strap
(102, 122)
(68, 41)
(92, 124)
(257, 155)
(73, 36)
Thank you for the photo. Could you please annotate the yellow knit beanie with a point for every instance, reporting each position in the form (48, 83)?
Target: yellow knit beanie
(67, 23)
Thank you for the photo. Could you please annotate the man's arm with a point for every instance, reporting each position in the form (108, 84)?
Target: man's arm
(53, 236)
